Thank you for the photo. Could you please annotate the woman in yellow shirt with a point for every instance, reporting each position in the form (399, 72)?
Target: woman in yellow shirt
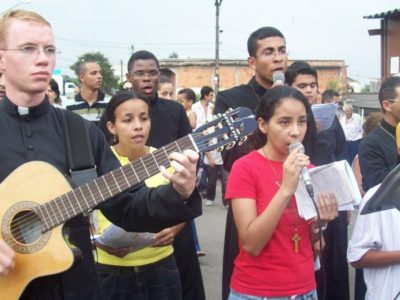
(151, 272)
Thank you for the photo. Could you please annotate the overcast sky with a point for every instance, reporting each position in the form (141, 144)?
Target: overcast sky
(314, 29)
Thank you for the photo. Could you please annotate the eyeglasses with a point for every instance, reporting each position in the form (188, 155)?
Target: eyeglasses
(31, 50)
(141, 74)
(393, 100)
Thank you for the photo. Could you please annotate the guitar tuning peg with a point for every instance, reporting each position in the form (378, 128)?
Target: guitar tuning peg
(242, 140)
(230, 145)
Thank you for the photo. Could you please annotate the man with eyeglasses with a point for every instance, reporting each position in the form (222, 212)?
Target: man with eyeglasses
(169, 122)
(33, 130)
(374, 246)
(267, 55)
(330, 146)
(90, 102)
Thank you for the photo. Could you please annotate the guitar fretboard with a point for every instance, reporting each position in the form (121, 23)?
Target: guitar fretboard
(88, 196)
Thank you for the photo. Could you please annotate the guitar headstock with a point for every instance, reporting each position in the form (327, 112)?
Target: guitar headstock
(225, 130)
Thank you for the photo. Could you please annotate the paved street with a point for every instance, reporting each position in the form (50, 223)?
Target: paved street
(211, 228)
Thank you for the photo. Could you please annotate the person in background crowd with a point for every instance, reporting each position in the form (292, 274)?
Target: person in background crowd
(352, 125)
(166, 88)
(204, 110)
(53, 93)
(372, 121)
(90, 102)
(148, 272)
(378, 153)
(275, 260)
(169, 122)
(27, 59)
(187, 97)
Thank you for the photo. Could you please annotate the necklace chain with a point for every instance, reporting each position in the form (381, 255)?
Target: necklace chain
(292, 210)
(277, 181)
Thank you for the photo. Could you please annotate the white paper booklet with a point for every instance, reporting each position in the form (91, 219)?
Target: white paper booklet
(324, 114)
(337, 178)
(116, 237)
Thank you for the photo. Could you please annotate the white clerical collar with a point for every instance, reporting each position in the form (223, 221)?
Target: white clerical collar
(23, 110)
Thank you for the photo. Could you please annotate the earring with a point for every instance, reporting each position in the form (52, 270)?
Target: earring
(115, 139)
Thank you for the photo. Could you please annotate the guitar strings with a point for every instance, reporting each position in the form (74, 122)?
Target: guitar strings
(29, 219)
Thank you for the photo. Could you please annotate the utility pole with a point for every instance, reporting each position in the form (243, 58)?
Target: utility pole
(217, 33)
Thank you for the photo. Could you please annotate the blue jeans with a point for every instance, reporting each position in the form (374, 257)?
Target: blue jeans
(157, 281)
(307, 296)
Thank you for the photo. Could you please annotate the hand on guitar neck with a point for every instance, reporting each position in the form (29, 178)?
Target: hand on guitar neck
(184, 177)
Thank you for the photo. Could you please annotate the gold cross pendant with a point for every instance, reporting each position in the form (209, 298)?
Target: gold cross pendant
(296, 239)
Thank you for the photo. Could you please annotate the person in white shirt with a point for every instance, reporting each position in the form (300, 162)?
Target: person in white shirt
(375, 247)
(352, 125)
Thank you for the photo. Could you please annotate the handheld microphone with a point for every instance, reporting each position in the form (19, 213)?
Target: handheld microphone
(278, 78)
(305, 175)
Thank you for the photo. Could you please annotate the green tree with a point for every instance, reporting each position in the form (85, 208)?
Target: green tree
(366, 89)
(337, 87)
(173, 55)
(110, 81)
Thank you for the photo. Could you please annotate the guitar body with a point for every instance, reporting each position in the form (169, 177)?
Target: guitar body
(37, 254)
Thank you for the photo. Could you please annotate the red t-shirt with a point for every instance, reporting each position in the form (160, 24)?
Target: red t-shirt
(277, 270)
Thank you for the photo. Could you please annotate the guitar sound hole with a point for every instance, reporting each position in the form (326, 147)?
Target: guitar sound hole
(26, 227)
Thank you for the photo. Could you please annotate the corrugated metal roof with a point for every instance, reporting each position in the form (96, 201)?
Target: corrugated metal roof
(383, 15)
(364, 100)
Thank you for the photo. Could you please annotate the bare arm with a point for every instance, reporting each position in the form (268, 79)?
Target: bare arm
(376, 259)
(192, 119)
(166, 237)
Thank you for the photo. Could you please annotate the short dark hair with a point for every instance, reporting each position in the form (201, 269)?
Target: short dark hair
(120, 98)
(82, 66)
(164, 79)
(268, 104)
(328, 95)
(260, 34)
(54, 87)
(388, 89)
(205, 91)
(299, 67)
(189, 94)
(142, 54)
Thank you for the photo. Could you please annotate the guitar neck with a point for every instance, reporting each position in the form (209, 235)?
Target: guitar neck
(89, 195)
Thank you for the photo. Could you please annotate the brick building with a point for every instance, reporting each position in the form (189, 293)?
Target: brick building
(195, 73)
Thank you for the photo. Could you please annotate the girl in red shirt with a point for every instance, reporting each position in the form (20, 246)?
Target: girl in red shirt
(275, 258)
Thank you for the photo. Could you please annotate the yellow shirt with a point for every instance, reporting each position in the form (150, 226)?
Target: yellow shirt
(141, 257)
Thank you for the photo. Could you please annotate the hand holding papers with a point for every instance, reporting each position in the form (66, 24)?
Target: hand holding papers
(337, 178)
(324, 114)
(116, 237)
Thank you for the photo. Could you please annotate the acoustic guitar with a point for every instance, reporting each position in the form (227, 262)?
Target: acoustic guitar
(36, 199)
